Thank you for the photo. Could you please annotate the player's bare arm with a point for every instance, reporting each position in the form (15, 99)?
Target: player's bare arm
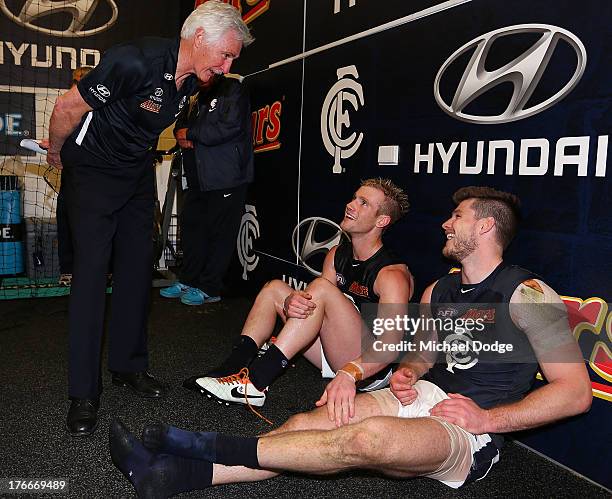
(412, 367)
(394, 286)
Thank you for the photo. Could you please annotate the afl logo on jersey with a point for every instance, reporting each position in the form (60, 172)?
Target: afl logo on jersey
(181, 105)
(340, 279)
(448, 312)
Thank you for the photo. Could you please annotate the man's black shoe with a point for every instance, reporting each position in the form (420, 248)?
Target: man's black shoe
(82, 417)
(141, 383)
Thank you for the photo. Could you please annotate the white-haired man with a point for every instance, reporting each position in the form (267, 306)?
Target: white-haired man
(104, 132)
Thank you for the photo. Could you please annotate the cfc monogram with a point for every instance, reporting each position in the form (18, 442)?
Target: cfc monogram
(335, 117)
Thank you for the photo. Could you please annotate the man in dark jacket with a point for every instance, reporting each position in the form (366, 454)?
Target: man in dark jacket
(215, 134)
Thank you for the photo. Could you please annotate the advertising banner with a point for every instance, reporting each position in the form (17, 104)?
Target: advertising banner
(17, 121)
(42, 41)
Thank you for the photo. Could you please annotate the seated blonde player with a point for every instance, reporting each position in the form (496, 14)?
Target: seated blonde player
(323, 321)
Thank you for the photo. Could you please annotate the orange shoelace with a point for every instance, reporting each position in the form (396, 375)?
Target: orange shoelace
(239, 377)
(242, 376)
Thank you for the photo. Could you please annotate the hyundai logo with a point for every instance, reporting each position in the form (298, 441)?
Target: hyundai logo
(314, 236)
(81, 11)
(102, 90)
(524, 72)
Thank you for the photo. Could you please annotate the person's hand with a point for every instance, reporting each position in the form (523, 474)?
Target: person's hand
(463, 412)
(298, 305)
(54, 159)
(181, 138)
(340, 399)
(402, 385)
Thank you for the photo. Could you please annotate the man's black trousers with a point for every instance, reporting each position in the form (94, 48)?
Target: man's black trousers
(110, 211)
(210, 222)
(64, 238)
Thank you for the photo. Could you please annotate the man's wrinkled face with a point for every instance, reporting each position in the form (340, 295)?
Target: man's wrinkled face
(217, 57)
(461, 232)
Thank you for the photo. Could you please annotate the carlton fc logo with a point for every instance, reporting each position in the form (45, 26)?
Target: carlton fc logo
(38, 15)
(335, 117)
(249, 231)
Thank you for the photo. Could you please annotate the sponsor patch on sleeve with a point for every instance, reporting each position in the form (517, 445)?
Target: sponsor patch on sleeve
(531, 289)
(151, 106)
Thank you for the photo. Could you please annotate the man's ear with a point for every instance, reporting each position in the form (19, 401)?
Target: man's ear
(486, 224)
(198, 38)
(382, 221)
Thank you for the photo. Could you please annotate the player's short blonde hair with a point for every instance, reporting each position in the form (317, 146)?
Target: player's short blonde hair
(396, 202)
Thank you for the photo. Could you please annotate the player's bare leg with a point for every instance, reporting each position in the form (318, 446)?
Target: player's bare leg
(332, 311)
(393, 446)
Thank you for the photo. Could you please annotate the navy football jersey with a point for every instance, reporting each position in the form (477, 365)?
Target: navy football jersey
(356, 278)
(134, 98)
(489, 378)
